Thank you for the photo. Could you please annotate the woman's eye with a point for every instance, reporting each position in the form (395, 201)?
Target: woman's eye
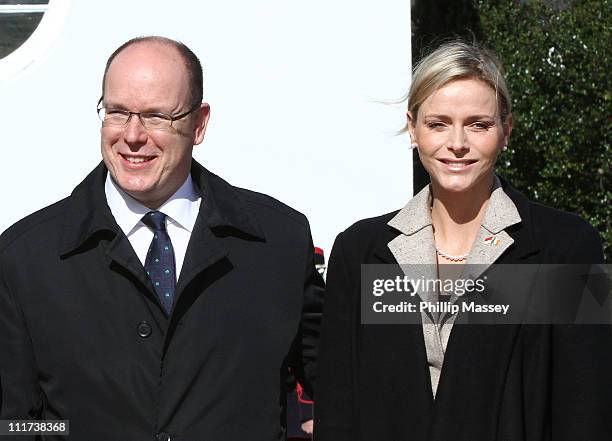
(435, 124)
(481, 125)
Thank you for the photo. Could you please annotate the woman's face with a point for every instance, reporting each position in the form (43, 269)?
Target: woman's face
(459, 134)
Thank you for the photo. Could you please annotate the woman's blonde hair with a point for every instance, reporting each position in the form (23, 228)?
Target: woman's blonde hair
(453, 61)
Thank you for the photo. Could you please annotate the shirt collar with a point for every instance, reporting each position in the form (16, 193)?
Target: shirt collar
(86, 212)
(181, 208)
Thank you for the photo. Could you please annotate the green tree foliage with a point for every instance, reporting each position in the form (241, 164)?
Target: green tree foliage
(558, 63)
(436, 20)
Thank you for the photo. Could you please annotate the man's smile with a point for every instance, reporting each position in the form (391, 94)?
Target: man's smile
(136, 159)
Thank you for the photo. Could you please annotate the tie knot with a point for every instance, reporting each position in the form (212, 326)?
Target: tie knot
(155, 220)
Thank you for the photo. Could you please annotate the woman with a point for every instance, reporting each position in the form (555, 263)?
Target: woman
(496, 382)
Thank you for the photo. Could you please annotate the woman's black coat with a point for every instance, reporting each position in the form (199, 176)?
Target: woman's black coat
(500, 382)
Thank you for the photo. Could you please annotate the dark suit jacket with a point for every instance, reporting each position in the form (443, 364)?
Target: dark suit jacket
(498, 382)
(83, 336)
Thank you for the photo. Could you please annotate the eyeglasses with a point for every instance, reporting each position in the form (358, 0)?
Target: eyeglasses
(149, 120)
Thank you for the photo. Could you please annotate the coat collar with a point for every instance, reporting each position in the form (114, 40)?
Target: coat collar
(415, 244)
(501, 211)
(525, 246)
(416, 215)
(223, 205)
(87, 212)
(492, 240)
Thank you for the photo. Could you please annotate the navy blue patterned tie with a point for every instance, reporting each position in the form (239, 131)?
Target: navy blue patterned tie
(159, 263)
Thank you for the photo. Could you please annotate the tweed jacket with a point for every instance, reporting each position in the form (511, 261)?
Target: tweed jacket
(414, 249)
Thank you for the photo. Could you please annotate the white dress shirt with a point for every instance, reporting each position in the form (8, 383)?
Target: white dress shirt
(181, 210)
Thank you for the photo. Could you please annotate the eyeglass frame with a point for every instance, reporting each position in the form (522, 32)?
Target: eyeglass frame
(171, 118)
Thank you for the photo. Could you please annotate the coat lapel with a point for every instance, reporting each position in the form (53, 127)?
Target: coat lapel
(502, 231)
(414, 248)
(86, 215)
(88, 222)
(492, 240)
(416, 255)
(524, 248)
(478, 356)
(223, 212)
(203, 251)
(121, 252)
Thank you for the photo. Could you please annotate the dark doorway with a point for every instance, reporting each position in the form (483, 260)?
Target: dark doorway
(434, 21)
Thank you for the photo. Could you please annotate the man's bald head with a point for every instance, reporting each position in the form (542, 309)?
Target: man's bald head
(192, 63)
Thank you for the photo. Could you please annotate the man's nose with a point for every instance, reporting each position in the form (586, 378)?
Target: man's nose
(134, 132)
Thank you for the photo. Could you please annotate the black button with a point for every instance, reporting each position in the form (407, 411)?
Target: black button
(144, 330)
(163, 436)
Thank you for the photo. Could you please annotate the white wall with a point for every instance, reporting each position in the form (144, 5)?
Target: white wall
(295, 90)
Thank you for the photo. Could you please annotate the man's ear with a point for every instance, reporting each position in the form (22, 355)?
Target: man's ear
(202, 115)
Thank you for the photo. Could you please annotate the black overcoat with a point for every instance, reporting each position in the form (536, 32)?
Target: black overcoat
(83, 336)
(498, 382)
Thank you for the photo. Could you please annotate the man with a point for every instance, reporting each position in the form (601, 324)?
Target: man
(150, 301)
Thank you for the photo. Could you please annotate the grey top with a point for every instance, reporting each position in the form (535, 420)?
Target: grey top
(414, 249)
